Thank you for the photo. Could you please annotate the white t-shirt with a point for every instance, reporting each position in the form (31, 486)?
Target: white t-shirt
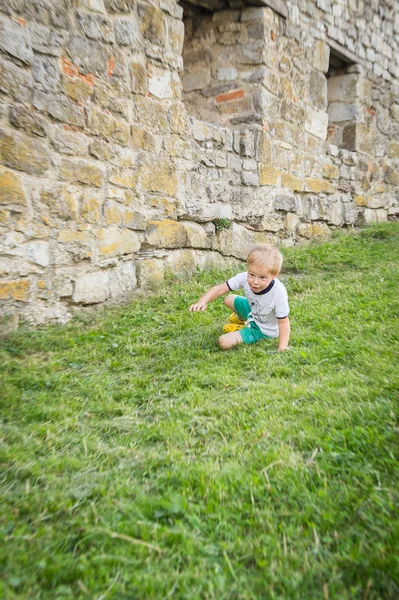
(266, 306)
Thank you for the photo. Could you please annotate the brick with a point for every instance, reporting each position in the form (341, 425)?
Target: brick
(11, 190)
(79, 171)
(23, 153)
(15, 40)
(233, 95)
(18, 289)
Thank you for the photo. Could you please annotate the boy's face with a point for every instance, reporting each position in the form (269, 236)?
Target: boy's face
(259, 277)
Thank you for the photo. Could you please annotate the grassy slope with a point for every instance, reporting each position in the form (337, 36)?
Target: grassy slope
(142, 462)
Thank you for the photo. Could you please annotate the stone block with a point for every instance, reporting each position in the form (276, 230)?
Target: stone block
(161, 208)
(46, 73)
(94, 5)
(166, 234)
(153, 114)
(269, 175)
(138, 78)
(208, 212)
(8, 322)
(317, 231)
(181, 262)
(108, 126)
(29, 120)
(23, 153)
(59, 107)
(15, 40)
(226, 74)
(119, 6)
(293, 183)
(126, 178)
(317, 91)
(316, 124)
(343, 88)
(321, 56)
(134, 219)
(113, 213)
(96, 27)
(46, 40)
(79, 171)
(249, 178)
(196, 80)
(70, 142)
(116, 242)
(142, 139)
(91, 288)
(365, 139)
(291, 222)
(152, 24)
(338, 112)
(37, 252)
(90, 210)
(150, 274)
(159, 177)
(127, 32)
(15, 81)
(122, 279)
(61, 202)
(15, 289)
(11, 189)
(78, 89)
(90, 56)
(160, 83)
(320, 186)
(196, 235)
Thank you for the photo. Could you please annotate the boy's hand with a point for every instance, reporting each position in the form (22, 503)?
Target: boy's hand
(199, 306)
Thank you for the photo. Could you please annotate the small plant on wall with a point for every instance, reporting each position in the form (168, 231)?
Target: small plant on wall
(221, 224)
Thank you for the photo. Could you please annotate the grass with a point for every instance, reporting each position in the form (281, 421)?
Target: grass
(140, 461)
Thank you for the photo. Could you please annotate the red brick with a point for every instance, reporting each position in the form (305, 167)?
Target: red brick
(230, 96)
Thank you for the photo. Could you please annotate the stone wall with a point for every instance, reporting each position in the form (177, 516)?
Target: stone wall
(110, 174)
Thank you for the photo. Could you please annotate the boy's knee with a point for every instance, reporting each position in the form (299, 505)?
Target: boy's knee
(223, 343)
(229, 300)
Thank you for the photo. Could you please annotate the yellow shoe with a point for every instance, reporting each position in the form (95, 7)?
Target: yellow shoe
(233, 327)
(233, 318)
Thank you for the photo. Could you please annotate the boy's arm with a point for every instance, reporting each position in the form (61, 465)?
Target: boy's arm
(212, 294)
(283, 333)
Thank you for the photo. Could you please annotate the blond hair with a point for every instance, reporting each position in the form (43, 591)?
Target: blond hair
(268, 256)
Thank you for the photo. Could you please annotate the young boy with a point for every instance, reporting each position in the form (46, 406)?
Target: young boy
(265, 306)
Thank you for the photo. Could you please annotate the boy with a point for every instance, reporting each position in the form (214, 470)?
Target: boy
(265, 306)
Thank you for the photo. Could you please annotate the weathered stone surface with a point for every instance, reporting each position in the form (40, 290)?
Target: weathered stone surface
(343, 88)
(80, 171)
(166, 234)
(29, 120)
(269, 175)
(108, 126)
(96, 27)
(70, 142)
(180, 262)
(46, 40)
(127, 31)
(91, 288)
(90, 56)
(113, 213)
(122, 279)
(46, 73)
(15, 40)
(152, 24)
(321, 56)
(126, 178)
(317, 231)
(115, 242)
(196, 235)
(23, 153)
(122, 6)
(150, 274)
(61, 202)
(159, 177)
(160, 83)
(15, 290)
(59, 107)
(11, 190)
(316, 124)
(138, 78)
(90, 210)
(15, 81)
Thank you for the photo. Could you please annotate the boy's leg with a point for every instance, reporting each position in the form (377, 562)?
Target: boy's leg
(229, 340)
(239, 305)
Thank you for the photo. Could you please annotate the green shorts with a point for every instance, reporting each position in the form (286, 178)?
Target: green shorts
(251, 332)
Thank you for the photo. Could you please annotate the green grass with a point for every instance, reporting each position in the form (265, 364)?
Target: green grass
(140, 461)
